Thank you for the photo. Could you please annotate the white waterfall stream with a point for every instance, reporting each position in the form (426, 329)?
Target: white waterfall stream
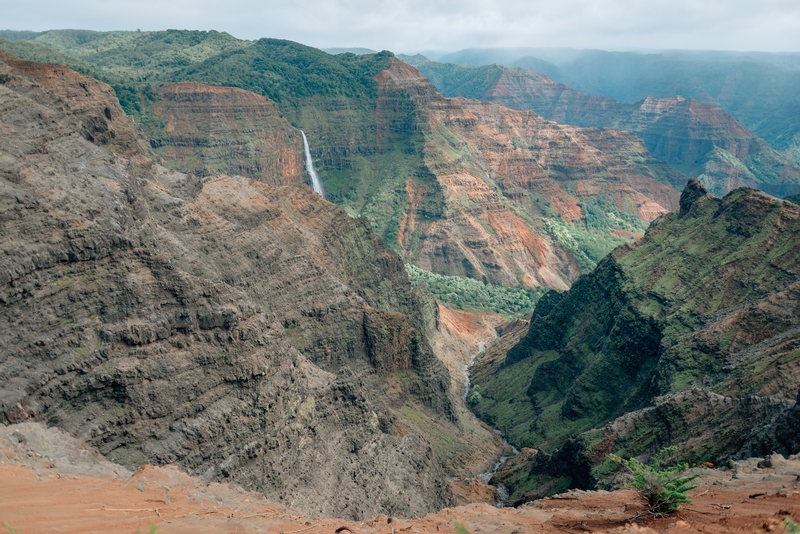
(315, 183)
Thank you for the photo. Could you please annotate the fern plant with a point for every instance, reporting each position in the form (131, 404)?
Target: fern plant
(662, 487)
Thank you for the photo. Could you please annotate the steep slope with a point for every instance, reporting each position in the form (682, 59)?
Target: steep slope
(243, 332)
(697, 138)
(523, 198)
(758, 93)
(706, 299)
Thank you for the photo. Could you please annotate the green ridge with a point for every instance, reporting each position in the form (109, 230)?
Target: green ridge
(650, 320)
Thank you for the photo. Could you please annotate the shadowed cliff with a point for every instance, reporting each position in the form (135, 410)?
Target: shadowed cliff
(689, 335)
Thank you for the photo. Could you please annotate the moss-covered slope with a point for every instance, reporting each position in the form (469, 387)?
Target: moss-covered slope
(708, 298)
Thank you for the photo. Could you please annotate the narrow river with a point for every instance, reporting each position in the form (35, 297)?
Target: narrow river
(502, 492)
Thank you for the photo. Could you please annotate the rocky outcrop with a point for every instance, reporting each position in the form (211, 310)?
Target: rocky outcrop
(91, 103)
(705, 300)
(709, 428)
(243, 332)
(206, 130)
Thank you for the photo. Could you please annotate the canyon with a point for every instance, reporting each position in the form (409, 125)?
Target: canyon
(177, 299)
(247, 333)
(694, 137)
(455, 187)
(687, 337)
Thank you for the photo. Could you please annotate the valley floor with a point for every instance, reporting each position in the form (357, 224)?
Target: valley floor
(51, 483)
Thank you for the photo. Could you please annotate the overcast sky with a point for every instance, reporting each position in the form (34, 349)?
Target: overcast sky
(409, 26)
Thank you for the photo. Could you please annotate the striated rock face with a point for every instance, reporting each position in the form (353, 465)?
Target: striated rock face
(696, 138)
(706, 299)
(708, 426)
(456, 187)
(243, 332)
(513, 186)
(206, 130)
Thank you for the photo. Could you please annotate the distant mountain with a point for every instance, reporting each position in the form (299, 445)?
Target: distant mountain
(694, 137)
(559, 56)
(357, 51)
(761, 90)
(690, 330)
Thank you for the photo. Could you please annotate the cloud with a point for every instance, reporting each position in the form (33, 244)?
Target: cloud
(412, 25)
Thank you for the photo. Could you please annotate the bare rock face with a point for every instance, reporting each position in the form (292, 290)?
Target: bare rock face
(91, 105)
(243, 332)
(206, 130)
(455, 186)
(501, 174)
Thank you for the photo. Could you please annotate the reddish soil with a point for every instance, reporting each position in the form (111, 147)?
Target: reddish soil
(39, 498)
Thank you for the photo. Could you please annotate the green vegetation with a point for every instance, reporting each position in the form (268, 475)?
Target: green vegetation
(790, 527)
(367, 170)
(665, 136)
(471, 295)
(659, 485)
(591, 238)
(133, 62)
(648, 321)
(762, 96)
(333, 98)
(454, 80)
(460, 529)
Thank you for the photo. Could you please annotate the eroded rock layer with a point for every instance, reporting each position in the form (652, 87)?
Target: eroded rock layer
(206, 130)
(243, 332)
(514, 187)
(695, 137)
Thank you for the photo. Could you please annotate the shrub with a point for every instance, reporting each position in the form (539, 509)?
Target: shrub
(662, 487)
(472, 295)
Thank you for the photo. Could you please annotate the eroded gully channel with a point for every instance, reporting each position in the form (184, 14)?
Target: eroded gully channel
(502, 492)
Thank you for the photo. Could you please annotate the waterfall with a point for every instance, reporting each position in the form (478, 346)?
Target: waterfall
(315, 183)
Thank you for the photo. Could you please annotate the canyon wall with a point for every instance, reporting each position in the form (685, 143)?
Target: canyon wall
(244, 332)
(696, 317)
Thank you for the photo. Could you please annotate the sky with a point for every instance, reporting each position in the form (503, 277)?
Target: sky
(410, 26)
